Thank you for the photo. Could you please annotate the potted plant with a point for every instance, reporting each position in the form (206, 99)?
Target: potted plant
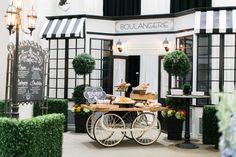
(83, 64)
(174, 117)
(176, 63)
(187, 89)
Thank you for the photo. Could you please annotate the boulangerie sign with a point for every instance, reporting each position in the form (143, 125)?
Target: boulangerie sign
(138, 26)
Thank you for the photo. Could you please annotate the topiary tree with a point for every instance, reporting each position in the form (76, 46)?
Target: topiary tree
(78, 94)
(176, 63)
(83, 64)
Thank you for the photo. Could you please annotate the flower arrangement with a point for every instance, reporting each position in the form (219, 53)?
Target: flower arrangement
(173, 113)
(227, 124)
(77, 109)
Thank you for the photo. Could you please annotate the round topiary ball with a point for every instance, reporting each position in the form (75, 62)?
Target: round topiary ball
(176, 63)
(83, 64)
(78, 94)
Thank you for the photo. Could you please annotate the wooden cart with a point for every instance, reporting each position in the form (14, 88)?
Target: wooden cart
(108, 128)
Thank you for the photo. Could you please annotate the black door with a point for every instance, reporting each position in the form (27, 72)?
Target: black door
(133, 71)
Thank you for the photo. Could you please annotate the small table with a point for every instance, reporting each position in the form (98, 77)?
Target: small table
(187, 144)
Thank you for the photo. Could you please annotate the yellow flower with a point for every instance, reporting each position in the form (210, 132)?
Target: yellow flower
(77, 109)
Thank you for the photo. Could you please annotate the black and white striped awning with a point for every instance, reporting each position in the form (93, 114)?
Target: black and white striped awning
(63, 28)
(220, 21)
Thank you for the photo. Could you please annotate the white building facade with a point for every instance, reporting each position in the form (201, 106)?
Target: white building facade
(209, 47)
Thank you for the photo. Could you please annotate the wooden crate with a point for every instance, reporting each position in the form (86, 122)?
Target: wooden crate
(145, 97)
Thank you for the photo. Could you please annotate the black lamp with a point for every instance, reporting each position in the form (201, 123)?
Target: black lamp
(119, 46)
(166, 45)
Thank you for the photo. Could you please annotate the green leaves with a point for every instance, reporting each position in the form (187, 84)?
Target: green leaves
(54, 106)
(37, 137)
(176, 63)
(78, 94)
(83, 64)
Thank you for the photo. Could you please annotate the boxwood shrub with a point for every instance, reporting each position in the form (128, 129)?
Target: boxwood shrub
(36, 137)
(54, 106)
(2, 108)
(210, 126)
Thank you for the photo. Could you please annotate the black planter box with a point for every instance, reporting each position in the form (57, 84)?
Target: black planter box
(80, 122)
(174, 129)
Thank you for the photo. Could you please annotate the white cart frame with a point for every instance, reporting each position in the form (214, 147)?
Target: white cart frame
(109, 128)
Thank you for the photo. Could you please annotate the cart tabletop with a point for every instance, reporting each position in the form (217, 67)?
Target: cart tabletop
(111, 107)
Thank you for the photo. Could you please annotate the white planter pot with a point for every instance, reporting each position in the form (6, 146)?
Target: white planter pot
(176, 91)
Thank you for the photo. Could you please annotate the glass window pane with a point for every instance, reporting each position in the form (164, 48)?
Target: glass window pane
(53, 54)
(215, 52)
(61, 63)
(61, 44)
(229, 63)
(52, 73)
(107, 45)
(52, 83)
(72, 43)
(60, 83)
(203, 51)
(229, 39)
(53, 63)
(61, 54)
(96, 54)
(203, 63)
(96, 44)
(96, 74)
(203, 75)
(71, 73)
(215, 86)
(60, 93)
(229, 75)
(72, 54)
(98, 64)
(53, 44)
(229, 87)
(79, 82)
(215, 40)
(214, 63)
(229, 51)
(61, 73)
(71, 83)
(214, 75)
(52, 93)
(215, 98)
(70, 91)
(95, 83)
(203, 41)
(70, 63)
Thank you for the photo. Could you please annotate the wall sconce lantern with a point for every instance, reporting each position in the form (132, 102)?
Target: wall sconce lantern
(119, 46)
(166, 45)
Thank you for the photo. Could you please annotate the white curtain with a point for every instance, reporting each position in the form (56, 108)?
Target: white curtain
(119, 73)
(149, 71)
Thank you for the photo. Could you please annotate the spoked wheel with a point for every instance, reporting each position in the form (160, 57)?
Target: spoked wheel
(90, 124)
(128, 119)
(146, 129)
(109, 130)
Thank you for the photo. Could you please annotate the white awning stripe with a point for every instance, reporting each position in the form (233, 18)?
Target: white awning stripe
(215, 21)
(63, 28)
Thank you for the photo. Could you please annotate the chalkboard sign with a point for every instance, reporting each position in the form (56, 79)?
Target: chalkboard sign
(93, 94)
(30, 75)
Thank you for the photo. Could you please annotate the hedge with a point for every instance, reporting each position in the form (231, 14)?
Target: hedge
(2, 108)
(40, 136)
(210, 126)
(54, 106)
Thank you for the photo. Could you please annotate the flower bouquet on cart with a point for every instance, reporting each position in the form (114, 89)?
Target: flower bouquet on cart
(174, 117)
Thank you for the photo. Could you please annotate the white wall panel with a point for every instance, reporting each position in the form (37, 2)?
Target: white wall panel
(223, 3)
(155, 7)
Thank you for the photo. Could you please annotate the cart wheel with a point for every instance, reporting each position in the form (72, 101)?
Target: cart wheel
(128, 119)
(108, 130)
(90, 123)
(148, 129)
